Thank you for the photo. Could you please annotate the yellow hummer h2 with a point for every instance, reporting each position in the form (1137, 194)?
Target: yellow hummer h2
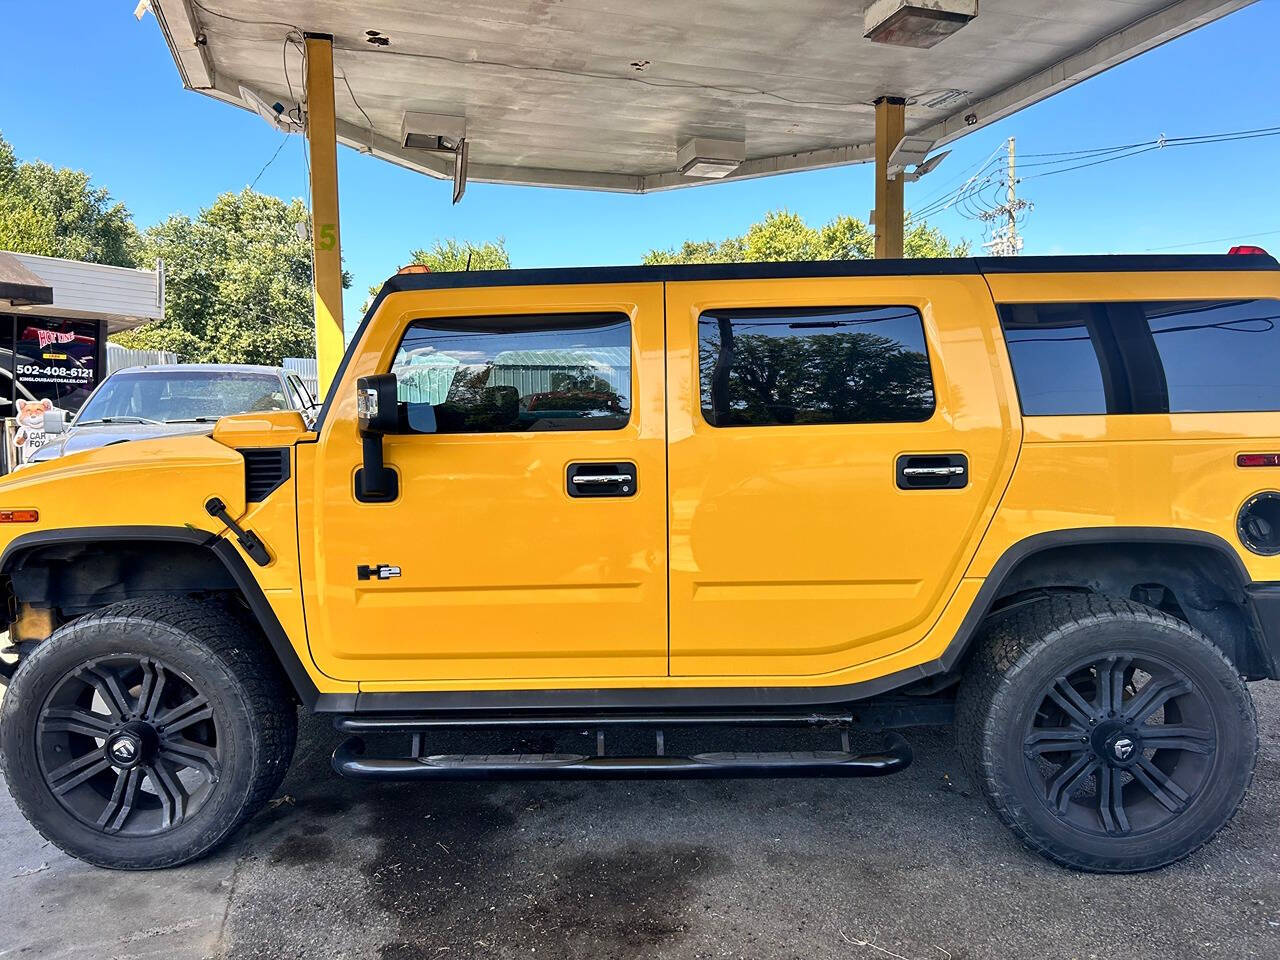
(1038, 497)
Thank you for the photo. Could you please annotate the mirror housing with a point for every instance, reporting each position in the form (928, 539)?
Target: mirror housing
(377, 414)
(55, 421)
(377, 406)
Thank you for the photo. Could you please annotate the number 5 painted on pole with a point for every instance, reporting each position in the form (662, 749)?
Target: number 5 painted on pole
(328, 237)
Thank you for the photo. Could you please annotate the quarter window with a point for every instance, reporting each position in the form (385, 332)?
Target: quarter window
(518, 374)
(1181, 356)
(808, 366)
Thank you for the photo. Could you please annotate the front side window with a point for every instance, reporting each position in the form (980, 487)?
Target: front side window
(517, 374)
(807, 366)
(1178, 356)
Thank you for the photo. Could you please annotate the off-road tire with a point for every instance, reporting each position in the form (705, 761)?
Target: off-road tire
(223, 660)
(1023, 649)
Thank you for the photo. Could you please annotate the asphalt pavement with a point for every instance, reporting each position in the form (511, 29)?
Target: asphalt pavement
(911, 867)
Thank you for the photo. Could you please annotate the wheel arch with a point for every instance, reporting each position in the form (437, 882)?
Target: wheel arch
(1192, 574)
(187, 559)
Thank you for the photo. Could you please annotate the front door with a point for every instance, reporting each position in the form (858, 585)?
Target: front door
(830, 475)
(528, 539)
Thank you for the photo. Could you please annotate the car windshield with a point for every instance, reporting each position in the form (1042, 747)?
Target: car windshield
(186, 396)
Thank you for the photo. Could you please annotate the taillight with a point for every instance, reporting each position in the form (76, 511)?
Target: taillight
(1247, 250)
(1258, 460)
(19, 516)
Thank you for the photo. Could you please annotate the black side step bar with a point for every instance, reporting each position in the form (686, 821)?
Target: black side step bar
(402, 723)
(350, 761)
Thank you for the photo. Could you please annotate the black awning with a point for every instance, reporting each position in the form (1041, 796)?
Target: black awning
(19, 286)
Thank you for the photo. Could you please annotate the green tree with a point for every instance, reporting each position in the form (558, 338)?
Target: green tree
(237, 282)
(450, 256)
(57, 212)
(783, 235)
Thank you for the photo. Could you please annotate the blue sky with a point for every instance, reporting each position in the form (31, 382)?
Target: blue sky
(110, 102)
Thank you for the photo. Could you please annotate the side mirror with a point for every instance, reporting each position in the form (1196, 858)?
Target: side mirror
(377, 406)
(55, 421)
(377, 414)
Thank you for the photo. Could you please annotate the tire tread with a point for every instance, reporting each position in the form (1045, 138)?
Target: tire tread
(229, 638)
(1011, 640)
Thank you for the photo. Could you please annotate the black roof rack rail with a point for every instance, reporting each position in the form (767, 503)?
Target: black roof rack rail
(672, 273)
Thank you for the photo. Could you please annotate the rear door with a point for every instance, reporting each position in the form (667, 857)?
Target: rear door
(529, 535)
(837, 446)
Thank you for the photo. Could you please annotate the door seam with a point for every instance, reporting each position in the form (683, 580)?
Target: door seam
(666, 462)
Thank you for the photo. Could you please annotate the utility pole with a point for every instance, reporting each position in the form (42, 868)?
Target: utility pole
(1005, 241)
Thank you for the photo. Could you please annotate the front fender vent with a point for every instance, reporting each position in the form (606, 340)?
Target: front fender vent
(264, 470)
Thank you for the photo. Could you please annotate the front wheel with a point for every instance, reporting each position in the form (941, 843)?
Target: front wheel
(1109, 736)
(140, 736)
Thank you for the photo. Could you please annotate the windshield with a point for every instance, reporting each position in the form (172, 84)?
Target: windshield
(187, 396)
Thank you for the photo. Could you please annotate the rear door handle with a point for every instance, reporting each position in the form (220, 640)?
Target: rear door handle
(598, 479)
(587, 480)
(932, 471)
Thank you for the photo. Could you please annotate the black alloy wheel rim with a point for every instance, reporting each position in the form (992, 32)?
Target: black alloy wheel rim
(1120, 745)
(128, 745)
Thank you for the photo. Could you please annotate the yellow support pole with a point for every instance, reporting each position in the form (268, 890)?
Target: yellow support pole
(326, 245)
(891, 125)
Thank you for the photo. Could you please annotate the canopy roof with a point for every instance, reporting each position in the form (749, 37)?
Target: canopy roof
(20, 286)
(601, 94)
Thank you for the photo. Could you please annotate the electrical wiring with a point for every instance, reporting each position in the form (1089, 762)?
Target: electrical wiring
(283, 140)
(1199, 243)
(980, 194)
(1240, 134)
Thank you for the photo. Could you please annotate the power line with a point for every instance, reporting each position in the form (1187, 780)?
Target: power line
(979, 194)
(1198, 243)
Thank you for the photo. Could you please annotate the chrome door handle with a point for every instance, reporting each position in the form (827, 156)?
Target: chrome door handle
(932, 471)
(587, 480)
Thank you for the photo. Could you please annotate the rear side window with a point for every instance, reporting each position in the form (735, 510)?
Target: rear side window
(518, 374)
(1216, 356)
(804, 366)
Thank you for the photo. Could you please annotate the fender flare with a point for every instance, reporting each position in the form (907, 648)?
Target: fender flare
(1083, 536)
(227, 555)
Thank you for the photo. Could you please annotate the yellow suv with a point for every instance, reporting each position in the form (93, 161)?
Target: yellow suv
(1036, 497)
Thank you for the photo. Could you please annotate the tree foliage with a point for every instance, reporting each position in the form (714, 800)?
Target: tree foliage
(783, 235)
(57, 212)
(450, 256)
(237, 282)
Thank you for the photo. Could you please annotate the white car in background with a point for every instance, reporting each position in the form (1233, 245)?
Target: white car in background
(139, 403)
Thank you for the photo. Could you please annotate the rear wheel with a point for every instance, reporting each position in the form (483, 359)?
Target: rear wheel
(1109, 736)
(142, 735)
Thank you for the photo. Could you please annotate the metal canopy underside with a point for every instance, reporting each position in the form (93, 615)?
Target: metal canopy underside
(599, 94)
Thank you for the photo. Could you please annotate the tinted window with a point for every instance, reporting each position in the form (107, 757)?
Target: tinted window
(513, 374)
(1144, 357)
(828, 365)
(1054, 359)
(1219, 356)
